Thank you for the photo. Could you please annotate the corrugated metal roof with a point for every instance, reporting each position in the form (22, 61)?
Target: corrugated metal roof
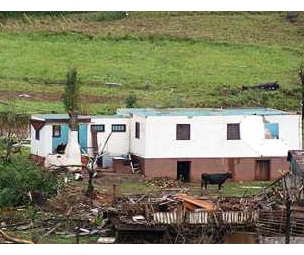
(298, 156)
(199, 111)
(190, 112)
(53, 117)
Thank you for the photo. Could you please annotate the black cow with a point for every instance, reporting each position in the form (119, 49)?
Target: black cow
(218, 178)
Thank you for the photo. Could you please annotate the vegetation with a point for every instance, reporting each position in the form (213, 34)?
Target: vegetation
(71, 98)
(18, 177)
(165, 59)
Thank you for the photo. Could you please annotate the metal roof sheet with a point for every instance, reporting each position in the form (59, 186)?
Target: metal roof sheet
(200, 111)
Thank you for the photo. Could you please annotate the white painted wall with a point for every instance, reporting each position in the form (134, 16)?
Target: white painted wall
(208, 137)
(118, 142)
(137, 146)
(290, 129)
(43, 146)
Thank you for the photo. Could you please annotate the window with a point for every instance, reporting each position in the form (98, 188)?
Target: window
(56, 130)
(98, 128)
(37, 134)
(137, 130)
(233, 131)
(182, 131)
(118, 128)
(271, 130)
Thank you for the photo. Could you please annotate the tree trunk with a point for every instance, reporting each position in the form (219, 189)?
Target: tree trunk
(301, 74)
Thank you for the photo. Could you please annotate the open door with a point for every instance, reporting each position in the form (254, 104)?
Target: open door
(262, 170)
(183, 170)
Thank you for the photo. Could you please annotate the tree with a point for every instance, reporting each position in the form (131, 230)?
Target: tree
(11, 122)
(130, 101)
(71, 100)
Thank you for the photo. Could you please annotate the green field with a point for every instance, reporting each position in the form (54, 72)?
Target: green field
(166, 59)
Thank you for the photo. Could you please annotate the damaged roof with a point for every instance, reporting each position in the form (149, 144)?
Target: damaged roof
(296, 158)
(200, 111)
(58, 117)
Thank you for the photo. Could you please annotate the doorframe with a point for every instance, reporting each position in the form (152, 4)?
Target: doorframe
(187, 169)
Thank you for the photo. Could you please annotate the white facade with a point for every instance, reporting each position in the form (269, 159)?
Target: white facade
(43, 146)
(208, 134)
(109, 142)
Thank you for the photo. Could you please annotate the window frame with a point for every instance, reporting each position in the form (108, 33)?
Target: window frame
(118, 130)
(137, 130)
(37, 134)
(56, 133)
(99, 128)
(233, 134)
(183, 132)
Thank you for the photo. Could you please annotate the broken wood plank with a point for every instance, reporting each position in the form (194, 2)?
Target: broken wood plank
(205, 204)
(14, 239)
(51, 230)
(189, 206)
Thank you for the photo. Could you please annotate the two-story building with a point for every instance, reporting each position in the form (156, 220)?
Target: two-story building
(252, 143)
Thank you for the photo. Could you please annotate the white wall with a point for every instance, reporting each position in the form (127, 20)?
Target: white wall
(118, 142)
(290, 129)
(43, 146)
(209, 137)
(137, 146)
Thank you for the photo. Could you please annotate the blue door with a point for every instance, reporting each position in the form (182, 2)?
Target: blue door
(82, 137)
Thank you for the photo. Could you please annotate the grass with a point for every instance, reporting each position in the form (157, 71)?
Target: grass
(165, 59)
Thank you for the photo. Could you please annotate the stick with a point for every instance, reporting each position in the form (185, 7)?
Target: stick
(51, 230)
(14, 239)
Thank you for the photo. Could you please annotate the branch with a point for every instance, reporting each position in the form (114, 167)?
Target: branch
(14, 239)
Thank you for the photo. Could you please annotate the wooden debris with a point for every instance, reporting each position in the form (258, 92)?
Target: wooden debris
(14, 239)
(51, 230)
(194, 203)
(106, 240)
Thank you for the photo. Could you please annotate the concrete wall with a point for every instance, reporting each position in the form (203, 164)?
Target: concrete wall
(118, 142)
(209, 137)
(43, 146)
(137, 146)
(243, 169)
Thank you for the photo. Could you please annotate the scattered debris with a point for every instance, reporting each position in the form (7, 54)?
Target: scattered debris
(106, 240)
(163, 182)
(14, 239)
(263, 86)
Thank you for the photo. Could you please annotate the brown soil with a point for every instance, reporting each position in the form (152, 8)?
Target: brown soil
(52, 97)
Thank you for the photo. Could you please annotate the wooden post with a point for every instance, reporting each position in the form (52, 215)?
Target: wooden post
(301, 74)
(288, 221)
(114, 194)
(288, 213)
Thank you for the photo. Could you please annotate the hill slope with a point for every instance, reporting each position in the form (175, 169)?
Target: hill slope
(165, 59)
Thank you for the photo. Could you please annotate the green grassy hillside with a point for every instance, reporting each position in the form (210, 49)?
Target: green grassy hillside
(165, 59)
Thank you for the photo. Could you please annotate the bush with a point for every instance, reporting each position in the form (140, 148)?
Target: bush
(111, 15)
(20, 176)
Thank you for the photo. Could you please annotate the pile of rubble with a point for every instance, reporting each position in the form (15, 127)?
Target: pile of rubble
(162, 182)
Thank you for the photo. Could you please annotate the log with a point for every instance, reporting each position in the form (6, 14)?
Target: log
(14, 239)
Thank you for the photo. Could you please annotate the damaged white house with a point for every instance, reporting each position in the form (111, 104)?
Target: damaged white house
(251, 143)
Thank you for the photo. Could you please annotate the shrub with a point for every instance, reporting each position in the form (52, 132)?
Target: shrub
(20, 176)
(111, 15)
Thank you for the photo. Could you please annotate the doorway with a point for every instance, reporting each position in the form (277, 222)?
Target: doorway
(183, 171)
(262, 170)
